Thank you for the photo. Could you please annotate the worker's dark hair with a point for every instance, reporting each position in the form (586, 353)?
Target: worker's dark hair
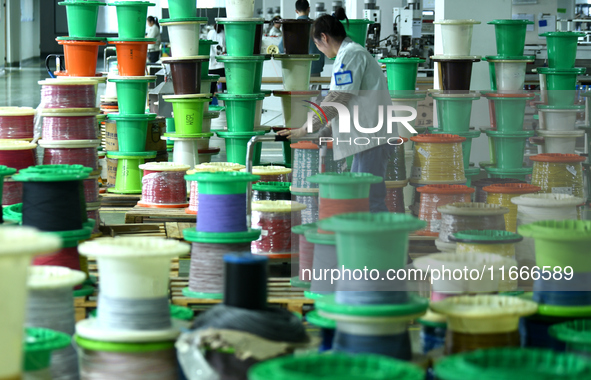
(276, 19)
(340, 15)
(331, 26)
(302, 5)
(219, 28)
(154, 20)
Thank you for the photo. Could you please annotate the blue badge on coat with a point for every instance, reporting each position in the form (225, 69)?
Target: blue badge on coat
(342, 78)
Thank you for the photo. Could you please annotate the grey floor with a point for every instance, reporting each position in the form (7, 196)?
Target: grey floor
(19, 86)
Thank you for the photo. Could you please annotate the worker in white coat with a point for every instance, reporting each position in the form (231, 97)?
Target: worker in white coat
(359, 86)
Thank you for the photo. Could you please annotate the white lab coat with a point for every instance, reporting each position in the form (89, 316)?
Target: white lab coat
(216, 50)
(354, 64)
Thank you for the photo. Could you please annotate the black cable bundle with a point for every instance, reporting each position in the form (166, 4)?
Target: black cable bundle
(54, 206)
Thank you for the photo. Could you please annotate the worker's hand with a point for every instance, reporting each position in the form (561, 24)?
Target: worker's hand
(293, 133)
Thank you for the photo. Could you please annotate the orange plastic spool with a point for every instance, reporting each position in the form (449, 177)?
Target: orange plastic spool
(434, 196)
(502, 193)
(131, 56)
(81, 57)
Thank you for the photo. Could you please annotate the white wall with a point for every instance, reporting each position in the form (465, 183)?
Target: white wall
(30, 35)
(543, 6)
(483, 43)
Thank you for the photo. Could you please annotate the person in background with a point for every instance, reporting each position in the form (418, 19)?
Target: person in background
(153, 32)
(302, 8)
(217, 68)
(275, 30)
(356, 80)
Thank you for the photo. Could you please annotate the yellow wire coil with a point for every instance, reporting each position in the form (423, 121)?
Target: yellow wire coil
(505, 250)
(559, 177)
(84, 264)
(504, 200)
(439, 161)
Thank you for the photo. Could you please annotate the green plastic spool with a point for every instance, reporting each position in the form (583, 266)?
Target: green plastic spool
(414, 307)
(222, 182)
(188, 112)
(13, 213)
(315, 319)
(132, 131)
(240, 110)
(240, 36)
(205, 49)
(210, 296)
(561, 84)
(466, 145)
(82, 17)
(70, 239)
(53, 173)
(487, 237)
(562, 48)
(258, 74)
(295, 282)
(512, 364)
(94, 345)
(383, 234)
(561, 243)
(131, 18)
(38, 345)
(243, 74)
(192, 235)
(454, 112)
(236, 146)
(275, 187)
(510, 35)
(509, 110)
(182, 8)
(132, 93)
(313, 236)
(509, 148)
(401, 73)
(576, 335)
(129, 175)
(4, 171)
(357, 29)
(519, 173)
(344, 185)
(335, 367)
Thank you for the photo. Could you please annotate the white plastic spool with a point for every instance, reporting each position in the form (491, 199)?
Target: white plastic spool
(537, 207)
(459, 261)
(295, 70)
(510, 74)
(456, 36)
(131, 268)
(18, 245)
(371, 326)
(237, 9)
(294, 118)
(207, 117)
(484, 314)
(558, 119)
(560, 141)
(41, 281)
(186, 149)
(184, 37)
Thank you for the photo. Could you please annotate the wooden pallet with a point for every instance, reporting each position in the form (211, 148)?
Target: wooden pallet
(119, 200)
(156, 215)
(280, 294)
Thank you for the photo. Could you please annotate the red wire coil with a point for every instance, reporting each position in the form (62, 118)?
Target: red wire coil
(17, 127)
(71, 156)
(91, 189)
(164, 188)
(12, 193)
(18, 159)
(274, 178)
(276, 235)
(395, 199)
(331, 207)
(69, 96)
(94, 214)
(66, 257)
(193, 199)
(69, 128)
(306, 257)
